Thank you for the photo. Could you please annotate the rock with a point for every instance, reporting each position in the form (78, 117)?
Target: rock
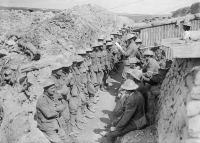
(193, 108)
(192, 140)
(194, 126)
(195, 90)
(197, 78)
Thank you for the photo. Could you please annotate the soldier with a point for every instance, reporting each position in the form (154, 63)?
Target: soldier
(90, 85)
(109, 61)
(103, 65)
(94, 66)
(151, 68)
(85, 79)
(133, 117)
(61, 82)
(48, 112)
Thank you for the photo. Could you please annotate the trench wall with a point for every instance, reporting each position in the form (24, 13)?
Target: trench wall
(178, 117)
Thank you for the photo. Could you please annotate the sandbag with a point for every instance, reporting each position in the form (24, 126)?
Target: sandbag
(195, 35)
(197, 16)
(194, 125)
(189, 17)
(141, 25)
(193, 108)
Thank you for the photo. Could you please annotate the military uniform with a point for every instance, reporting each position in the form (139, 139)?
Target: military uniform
(49, 119)
(152, 69)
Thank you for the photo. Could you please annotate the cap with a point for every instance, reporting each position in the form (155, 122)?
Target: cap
(135, 73)
(111, 36)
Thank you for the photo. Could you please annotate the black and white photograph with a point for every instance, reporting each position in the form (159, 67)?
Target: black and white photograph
(99, 71)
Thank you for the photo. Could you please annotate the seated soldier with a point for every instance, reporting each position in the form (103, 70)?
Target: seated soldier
(49, 110)
(150, 69)
(133, 117)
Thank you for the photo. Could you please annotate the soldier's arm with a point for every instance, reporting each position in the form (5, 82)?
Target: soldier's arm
(128, 114)
(128, 52)
(48, 112)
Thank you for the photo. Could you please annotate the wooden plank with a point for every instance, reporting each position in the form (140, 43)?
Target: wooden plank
(186, 51)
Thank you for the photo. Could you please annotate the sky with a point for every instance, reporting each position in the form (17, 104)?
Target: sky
(118, 6)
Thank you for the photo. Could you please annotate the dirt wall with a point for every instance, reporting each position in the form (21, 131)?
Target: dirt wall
(178, 115)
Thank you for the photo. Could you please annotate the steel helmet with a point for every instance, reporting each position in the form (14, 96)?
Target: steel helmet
(148, 53)
(56, 66)
(47, 83)
(88, 49)
(135, 73)
(111, 36)
(66, 63)
(109, 44)
(100, 43)
(187, 24)
(95, 44)
(130, 36)
(138, 40)
(129, 85)
(80, 51)
(101, 37)
(108, 39)
(79, 58)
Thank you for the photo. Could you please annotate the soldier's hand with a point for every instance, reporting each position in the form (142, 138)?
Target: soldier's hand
(59, 108)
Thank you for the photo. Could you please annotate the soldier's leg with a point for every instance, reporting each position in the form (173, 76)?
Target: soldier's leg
(73, 108)
(79, 116)
(52, 136)
(62, 135)
(66, 117)
(91, 91)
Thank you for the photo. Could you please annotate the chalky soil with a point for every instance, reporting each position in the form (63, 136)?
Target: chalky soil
(103, 117)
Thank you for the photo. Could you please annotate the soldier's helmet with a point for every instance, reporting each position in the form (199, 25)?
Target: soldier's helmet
(88, 49)
(129, 85)
(66, 63)
(148, 53)
(101, 37)
(109, 44)
(47, 83)
(130, 36)
(138, 40)
(189, 24)
(135, 73)
(81, 51)
(56, 66)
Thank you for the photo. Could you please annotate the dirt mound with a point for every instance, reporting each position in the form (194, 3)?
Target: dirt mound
(52, 36)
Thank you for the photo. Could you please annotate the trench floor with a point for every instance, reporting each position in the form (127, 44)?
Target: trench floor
(103, 117)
